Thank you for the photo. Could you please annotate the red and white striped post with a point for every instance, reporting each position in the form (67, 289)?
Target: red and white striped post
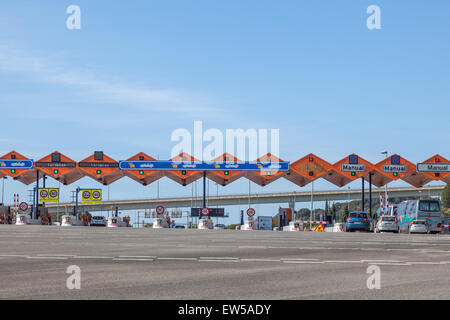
(381, 204)
(387, 202)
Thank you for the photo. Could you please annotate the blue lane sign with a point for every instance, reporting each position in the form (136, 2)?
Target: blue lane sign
(203, 165)
(16, 164)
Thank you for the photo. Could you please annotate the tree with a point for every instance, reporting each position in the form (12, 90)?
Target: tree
(446, 197)
(327, 209)
(446, 200)
(345, 215)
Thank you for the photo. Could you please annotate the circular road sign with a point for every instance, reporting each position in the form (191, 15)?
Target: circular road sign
(251, 212)
(96, 195)
(23, 206)
(86, 194)
(205, 211)
(43, 194)
(160, 210)
(53, 194)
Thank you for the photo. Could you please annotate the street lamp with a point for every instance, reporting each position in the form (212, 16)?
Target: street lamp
(3, 190)
(385, 186)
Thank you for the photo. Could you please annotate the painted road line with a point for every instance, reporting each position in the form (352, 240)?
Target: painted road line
(298, 259)
(216, 260)
(138, 257)
(13, 256)
(423, 263)
(260, 260)
(182, 259)
(389, 264)
(49, 258)
(393, 261)
(303, 262)
(131, 259)
(92, 257)
(341, 261)
(219, 258)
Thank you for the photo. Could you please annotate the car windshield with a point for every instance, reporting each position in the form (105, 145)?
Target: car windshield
(430, 206)
(388, 219)
(419, 222)
(98, 218)
(362, 215)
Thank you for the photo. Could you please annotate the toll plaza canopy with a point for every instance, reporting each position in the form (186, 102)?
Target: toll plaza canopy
(225, 169)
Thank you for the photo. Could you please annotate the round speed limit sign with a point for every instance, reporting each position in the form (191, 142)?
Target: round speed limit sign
(96, 195)
(205, 211)
(86, 194)
(43, 194)
(160, 210)
(53, 194)
(251, 212)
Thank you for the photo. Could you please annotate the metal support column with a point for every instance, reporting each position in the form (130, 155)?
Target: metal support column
(36, 211)
(204, 189)
(370, 194)
(362, 189)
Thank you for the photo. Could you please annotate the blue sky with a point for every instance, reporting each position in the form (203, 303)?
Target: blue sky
(137, 71)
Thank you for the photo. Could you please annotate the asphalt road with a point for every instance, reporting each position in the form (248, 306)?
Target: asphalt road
(127, 263)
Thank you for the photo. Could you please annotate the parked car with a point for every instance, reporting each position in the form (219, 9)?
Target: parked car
(98, 221)
(419, 226)
(219, 226)
(358, 221)
(387, 223)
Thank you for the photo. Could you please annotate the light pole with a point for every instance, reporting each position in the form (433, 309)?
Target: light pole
(3, 190)
(385, 186)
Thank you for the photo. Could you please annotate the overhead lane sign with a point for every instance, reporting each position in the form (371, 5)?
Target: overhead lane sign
(433, 167)
(203, 165)
(16, 164)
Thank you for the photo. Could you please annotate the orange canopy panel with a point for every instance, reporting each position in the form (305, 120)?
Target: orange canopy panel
(396, 167)
(183, 177)
(263, 178)
(225, 177)
(144, 177)
(59, 167)
(307, 169)
(349, 169)
(436, 175)
(26, 176)
(100, 167)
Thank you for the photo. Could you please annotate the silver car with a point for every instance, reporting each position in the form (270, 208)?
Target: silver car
(419, 226)
(387, 223)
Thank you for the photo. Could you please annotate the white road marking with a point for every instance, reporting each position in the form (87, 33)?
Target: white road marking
(130, 259)
(203, 260)
(389, 264)
(92, 257)
(260, 260)
(393, 261)
(183, 259)
(139, 257)
(303, 262)
(219, 258)
(49, 258)
(341, 261)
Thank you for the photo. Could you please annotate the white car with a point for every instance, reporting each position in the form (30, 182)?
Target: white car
(387, 223)
(419, 226)
(98, 221)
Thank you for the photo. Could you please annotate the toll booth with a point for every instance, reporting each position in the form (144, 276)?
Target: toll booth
(4, 210)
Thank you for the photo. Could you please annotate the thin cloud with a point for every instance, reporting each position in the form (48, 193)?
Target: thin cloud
(95, 87)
